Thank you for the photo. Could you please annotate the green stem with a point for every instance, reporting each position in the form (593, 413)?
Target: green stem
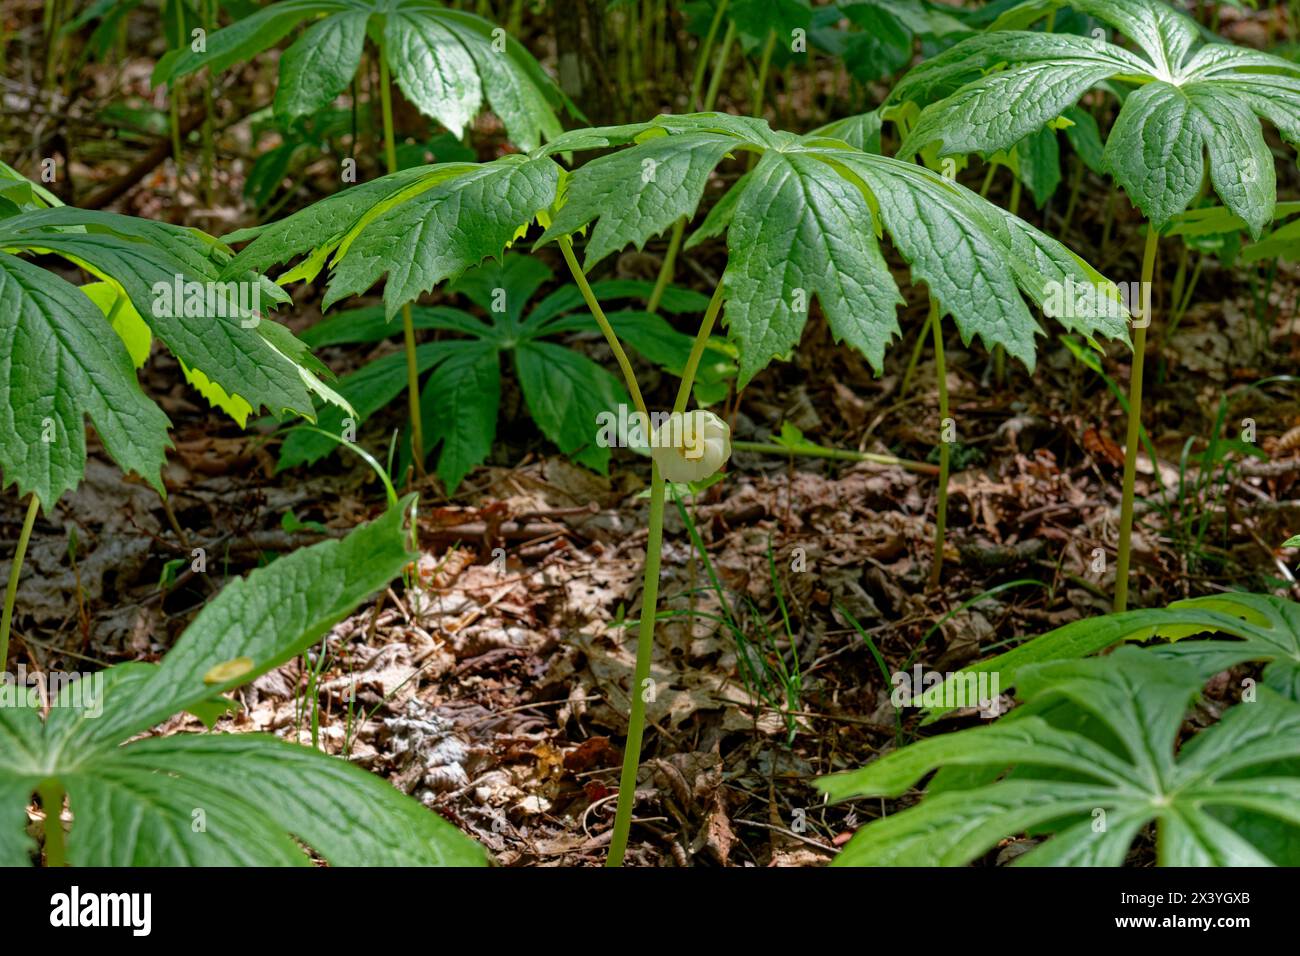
(597, 313)
(911, 363)
(209, 13)
(697, 350)
(760, 84)
(702, 63)
(1076, 183)
(667, 268)
(408, 324)
(1134, 422)
(51, 794)
(715, 81)
(941, 509)
(679, 227)
(644, 653)
(16, 572)
(654, 548)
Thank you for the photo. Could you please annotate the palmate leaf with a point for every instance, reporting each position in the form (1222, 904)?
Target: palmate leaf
(805, 223)
(66, 363)
(563, 390)
(448, 63)
(990, 92)
(1093, 796)
(420, 226)
(461, 396)
(1266, 628)
(222, 799)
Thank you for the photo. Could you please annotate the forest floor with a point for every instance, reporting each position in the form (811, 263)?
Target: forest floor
(497, 695)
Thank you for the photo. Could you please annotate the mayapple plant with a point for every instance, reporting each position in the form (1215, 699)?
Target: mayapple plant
(1185, 101)
(448, 63)
(70, 358)
(217, 799)
(1089, 759)
(429, 224)
(803, 223)
(564, 391)
(1264, 629)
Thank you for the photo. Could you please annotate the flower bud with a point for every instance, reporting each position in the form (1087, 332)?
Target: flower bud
(691, 446)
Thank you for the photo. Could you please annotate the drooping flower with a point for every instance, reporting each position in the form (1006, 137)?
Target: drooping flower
(691, 446)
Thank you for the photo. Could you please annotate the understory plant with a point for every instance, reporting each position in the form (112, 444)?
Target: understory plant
(67, 360)
(804, 223)
(448, 63)
(213, 799)
(564, 391)
(1182, 101)
(1089, 759)
(1263, 629)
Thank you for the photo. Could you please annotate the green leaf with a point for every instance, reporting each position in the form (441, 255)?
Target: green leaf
(459, 406)
(1064, 780)
(433, 68)
(16, 847)
(503, 287)
(804, 224)
(797, 233)
(128, 816)
(228, 341)
(372, 324)
(1156, 152)
(347, 815)
(987, 92)
(268, 618)
(484, 209)
(63, 363)
(565, 392)
(323, 224)
(242, 39)
(651, 186)
(222, 799)
(320, 64)
(367, 390)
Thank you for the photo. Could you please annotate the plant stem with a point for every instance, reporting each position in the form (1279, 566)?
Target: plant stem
(175, 96)
(667, 268)
(760, 84)
(941, 509)
(679, 227)
(697, 350)
(654, 548)
(1134, 422)
(16, 572)
(715, 81)
(597, 313)
(701, 64)
(51, 794)
(906, 384)
(644, 653)
(408, 324)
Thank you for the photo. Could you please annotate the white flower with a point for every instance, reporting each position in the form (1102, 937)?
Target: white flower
(691, 446)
